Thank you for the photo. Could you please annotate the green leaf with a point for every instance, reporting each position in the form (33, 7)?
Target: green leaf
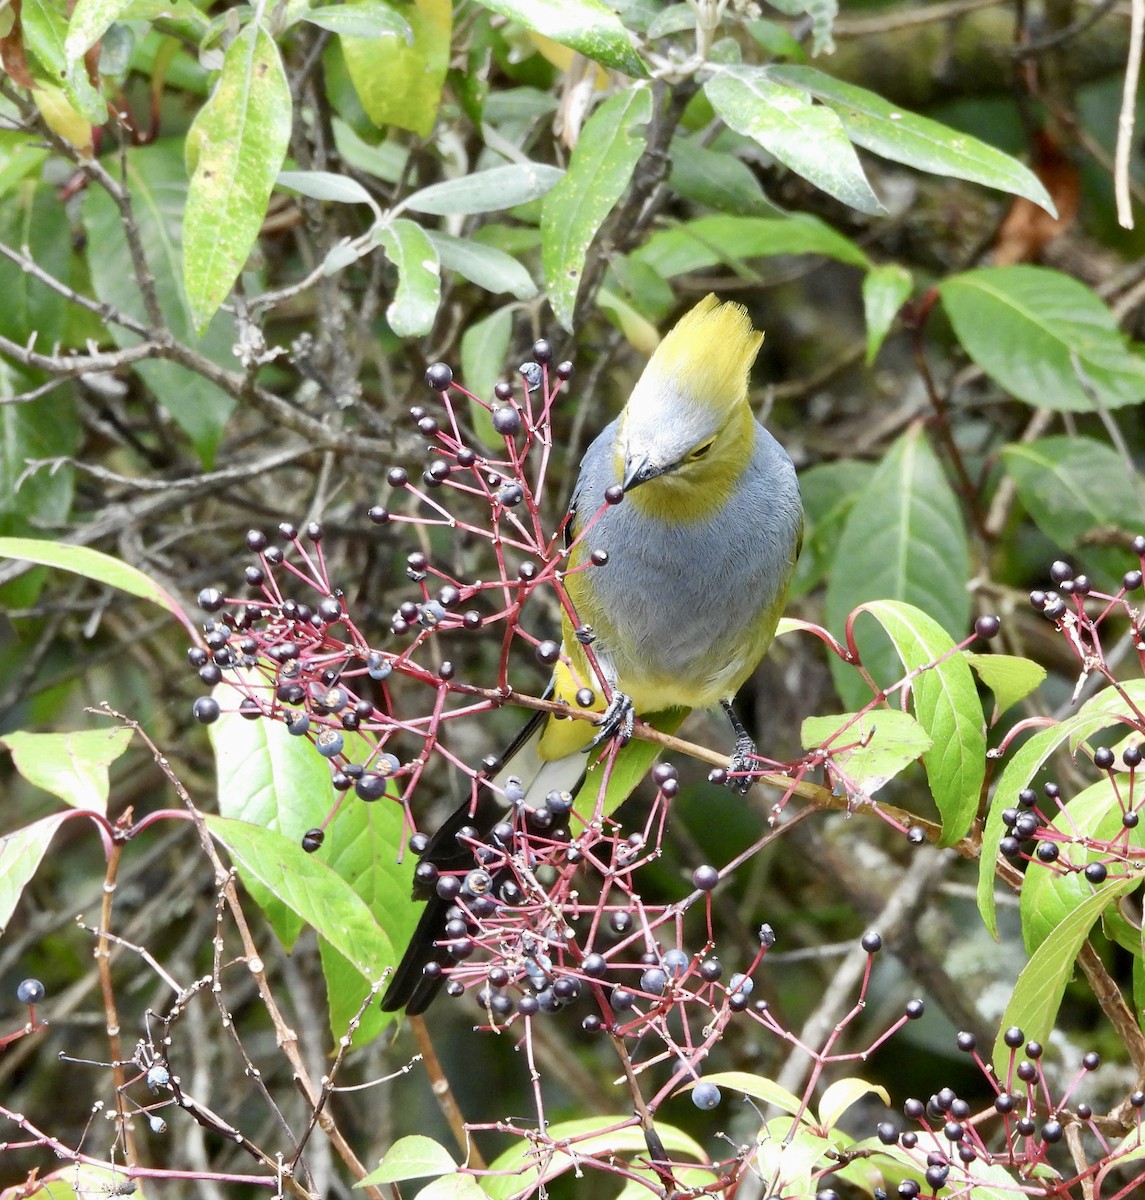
(484, 347)
(325, 185)
(386, 160)
(1037, 996)
(258, 766)
(806, 137)
(97, 566)
(1074, 485)
(758, 1087)
(36, 219)
(822, 14)
(1010, 677)
(90, 20)
(1109, 707)
(715, 178)
(20, 856)
(458, 1186)
(573, 212)
(706, 241)
(586, 26)
(72, 766)
(842, 1094)
(398, 82)
(362, 19)
(904, 540)
(418, 294)
(486, 191)
(44, 27)
(1051, 892)
(43, 431)
(885, 289)
(489, 268)
(829, 491)
(517, 1170)
(235, 149)
(878, 745)
(889, 131)
(412, 1157)
(1026, 326)
(271, 779)
(158, 183)
(311, 890)
(947, 706)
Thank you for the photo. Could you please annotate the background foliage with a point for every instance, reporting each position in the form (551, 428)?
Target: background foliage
(232, 238)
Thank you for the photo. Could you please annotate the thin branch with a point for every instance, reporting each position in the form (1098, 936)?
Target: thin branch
(1126, 119)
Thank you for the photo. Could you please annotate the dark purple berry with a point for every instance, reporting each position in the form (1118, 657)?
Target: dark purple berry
(987, 626)
(547, 652)
(506, 421)
(312, 839)
(438, 376)
(613, 494)
(914, 1009)
(705, 878)
(30, 991)
(872, 942)
(1096, 872)
(206, 710)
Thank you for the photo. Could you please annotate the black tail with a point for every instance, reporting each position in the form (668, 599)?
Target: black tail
(411, 988)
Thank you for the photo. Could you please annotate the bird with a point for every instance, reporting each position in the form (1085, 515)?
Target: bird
(697, 560)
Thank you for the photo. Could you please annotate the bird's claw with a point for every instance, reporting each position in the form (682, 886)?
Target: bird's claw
(742, 767)
(618, 720)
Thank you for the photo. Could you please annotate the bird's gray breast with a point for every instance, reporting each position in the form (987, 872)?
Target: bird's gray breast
(675, 597)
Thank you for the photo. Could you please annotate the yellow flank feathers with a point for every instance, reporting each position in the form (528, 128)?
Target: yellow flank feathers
(708, 354)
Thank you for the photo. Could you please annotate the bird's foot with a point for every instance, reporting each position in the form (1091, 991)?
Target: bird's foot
(743, 765)
(618, 720)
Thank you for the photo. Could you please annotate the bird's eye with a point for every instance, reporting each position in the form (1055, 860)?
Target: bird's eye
(700, 451)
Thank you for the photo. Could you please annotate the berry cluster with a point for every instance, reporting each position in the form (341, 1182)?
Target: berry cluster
(290, 651)
(954, 1144)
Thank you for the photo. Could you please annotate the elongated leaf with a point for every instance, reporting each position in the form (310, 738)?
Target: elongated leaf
(271, 779)
(486, 266)
(905, 137)
(842, 1094)
(325, 185)
(586, 25)
(598, 174)
(1106, 709)
(418, 293)
(948, 709)
(363, 19)
(33, 497)
(308, 887)
(1037, 996)
(715, 178)
(517, 1170)
(412, 1157)
(725, 239)
(829, 493)
(904, 540)
(44, 26)
(885, 289)
(486, 191)
(1025, 326)
(157, 179)
(35, 218)
(1074, 485)
(72, 766)
(89, 21)
(1008, 676)
(1051, 892)
(806, 137)
(822, 14)
(97, 566)
(399, 82)
(484, 346)
(235, 150)
(879, 745)
(21, 853)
